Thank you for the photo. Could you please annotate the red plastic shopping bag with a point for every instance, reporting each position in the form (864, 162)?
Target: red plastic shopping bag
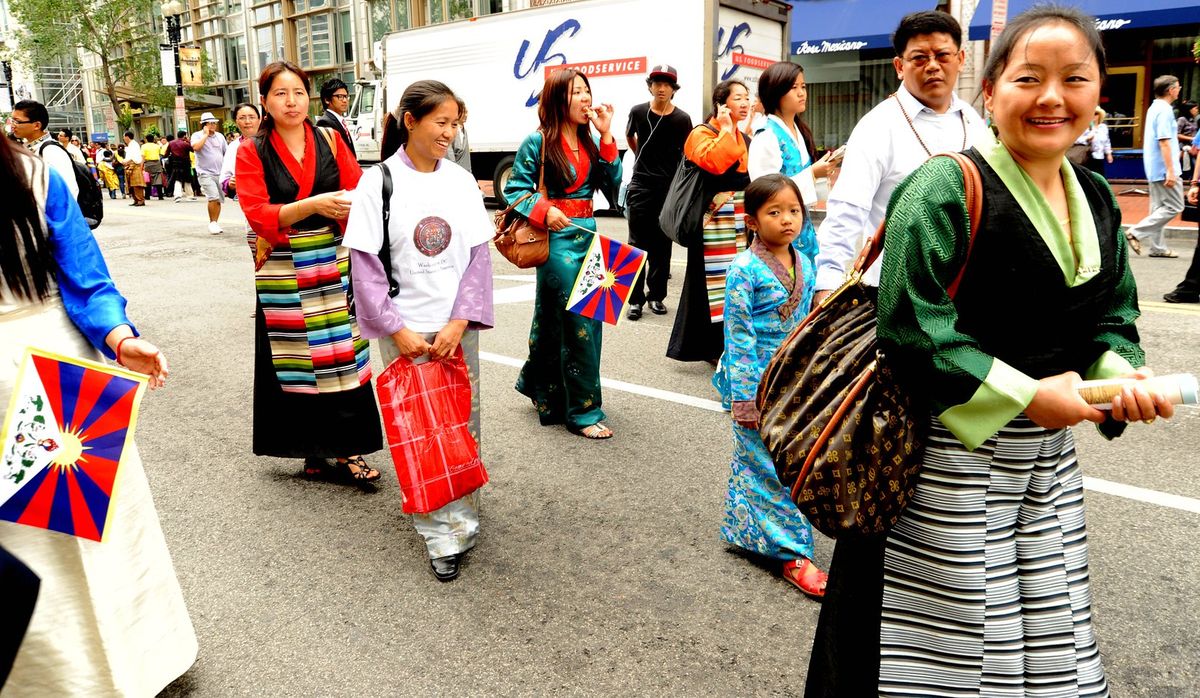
(425, 409)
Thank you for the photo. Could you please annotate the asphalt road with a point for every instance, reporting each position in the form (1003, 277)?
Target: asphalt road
(599, 570)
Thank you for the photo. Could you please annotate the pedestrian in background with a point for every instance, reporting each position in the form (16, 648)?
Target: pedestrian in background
(30, 121)
(1160, 156)
(119, 168)
(152, 164)
(721, 151)
(335, 97)
(655, 133)
(767, 293)
(1187, 136)
(108, 175)
(134, 174)
(785, 145)
(444, 278)
(982, 586)
(1188, 290)
(312, 384)
(209, 146)
(562, 374)
(459, 151)
(110, 618)
(247, 118)
(1101, 145)
(922, 117)
(179, 164)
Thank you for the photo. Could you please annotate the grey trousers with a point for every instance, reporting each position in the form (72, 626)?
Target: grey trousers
(1165, 204)
(453, 528)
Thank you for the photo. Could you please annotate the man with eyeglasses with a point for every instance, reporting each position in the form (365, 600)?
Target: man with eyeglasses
(28, 122)
(336, 98)
(922, 118)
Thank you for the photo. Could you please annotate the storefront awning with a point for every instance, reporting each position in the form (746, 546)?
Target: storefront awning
(827, 26)
(1111, 15)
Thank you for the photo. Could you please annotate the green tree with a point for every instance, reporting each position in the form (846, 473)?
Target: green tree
(117, 32)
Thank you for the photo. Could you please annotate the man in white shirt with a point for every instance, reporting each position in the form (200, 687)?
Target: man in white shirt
(134, 174)
(29, 121)
(923, 118)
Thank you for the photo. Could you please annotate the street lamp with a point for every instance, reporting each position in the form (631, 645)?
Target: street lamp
(171, 12)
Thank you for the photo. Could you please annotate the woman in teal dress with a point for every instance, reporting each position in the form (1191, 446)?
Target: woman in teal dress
(562, 375)
(764, 301)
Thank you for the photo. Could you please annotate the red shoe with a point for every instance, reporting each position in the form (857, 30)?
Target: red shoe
(806, 577)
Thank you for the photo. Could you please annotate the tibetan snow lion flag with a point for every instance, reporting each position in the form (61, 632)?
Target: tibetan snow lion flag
(605, 279)
(69, 423)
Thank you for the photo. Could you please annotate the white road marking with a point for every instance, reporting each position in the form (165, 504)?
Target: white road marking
(1141, 494)
(514, 294)
(643, 390)
(1116, 489)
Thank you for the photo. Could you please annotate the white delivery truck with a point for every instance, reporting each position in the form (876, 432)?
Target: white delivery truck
(497, 64)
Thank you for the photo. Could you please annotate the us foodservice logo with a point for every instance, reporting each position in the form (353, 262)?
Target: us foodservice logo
(609, 66)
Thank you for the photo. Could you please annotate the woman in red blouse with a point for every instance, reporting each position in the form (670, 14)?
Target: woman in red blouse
(312, 370)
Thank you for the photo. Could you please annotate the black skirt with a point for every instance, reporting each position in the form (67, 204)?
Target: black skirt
(297, 425)
(695, 337)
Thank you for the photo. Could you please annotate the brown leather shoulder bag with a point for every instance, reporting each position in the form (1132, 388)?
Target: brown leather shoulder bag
(519, 239)
(844, 437)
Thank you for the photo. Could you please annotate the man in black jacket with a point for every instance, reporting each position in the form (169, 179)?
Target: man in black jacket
(336, 98)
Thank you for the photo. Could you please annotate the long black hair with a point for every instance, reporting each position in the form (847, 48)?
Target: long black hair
(554, 113)
(773, 84)
(25, 259)
(419, 99)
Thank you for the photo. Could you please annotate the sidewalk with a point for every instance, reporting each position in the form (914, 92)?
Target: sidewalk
(1134, 208)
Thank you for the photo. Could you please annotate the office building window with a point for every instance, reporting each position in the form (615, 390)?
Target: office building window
(236, 58)
(269, 44)
(314, 41)
(388, 16)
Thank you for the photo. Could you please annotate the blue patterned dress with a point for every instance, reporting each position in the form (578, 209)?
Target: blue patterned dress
(762, 306)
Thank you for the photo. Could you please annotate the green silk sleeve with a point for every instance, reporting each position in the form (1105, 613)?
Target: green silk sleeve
(925, 247)
(524, 178)
(1116, 331)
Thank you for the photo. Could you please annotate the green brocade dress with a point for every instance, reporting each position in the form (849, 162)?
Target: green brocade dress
(562, 374)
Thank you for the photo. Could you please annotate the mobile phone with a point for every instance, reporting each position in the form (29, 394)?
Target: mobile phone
(839, 153)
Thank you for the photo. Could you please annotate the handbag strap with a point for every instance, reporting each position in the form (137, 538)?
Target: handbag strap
(973, 187)
(541, 187)
(385, 250)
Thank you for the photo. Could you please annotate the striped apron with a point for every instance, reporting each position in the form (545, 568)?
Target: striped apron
(304, 289)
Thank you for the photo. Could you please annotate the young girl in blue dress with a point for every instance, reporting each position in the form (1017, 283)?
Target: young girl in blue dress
(768, 289)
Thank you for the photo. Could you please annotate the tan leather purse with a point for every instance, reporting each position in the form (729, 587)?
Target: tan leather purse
(520, 240)
(844, 437)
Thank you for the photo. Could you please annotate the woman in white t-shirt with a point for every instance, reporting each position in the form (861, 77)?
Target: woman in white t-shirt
(439, 233)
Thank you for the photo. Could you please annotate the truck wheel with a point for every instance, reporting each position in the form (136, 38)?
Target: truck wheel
(500, 179)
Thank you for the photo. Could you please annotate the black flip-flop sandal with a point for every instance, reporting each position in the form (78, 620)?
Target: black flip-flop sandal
(356, 469)
(599, 426)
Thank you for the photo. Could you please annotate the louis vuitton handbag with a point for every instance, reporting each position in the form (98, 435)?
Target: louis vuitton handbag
(844, 437)
(519, 239)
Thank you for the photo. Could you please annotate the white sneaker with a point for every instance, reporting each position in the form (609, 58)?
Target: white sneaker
(178, 199)
(215, 228)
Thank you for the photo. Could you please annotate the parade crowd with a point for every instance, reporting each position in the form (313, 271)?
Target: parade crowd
(981, 588)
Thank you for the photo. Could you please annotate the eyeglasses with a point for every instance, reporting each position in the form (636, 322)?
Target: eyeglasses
(921, 60)
(11, 120)
(340, 97)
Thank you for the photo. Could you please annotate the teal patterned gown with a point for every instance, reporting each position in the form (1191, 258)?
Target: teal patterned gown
(762, 306)
(562, 374)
